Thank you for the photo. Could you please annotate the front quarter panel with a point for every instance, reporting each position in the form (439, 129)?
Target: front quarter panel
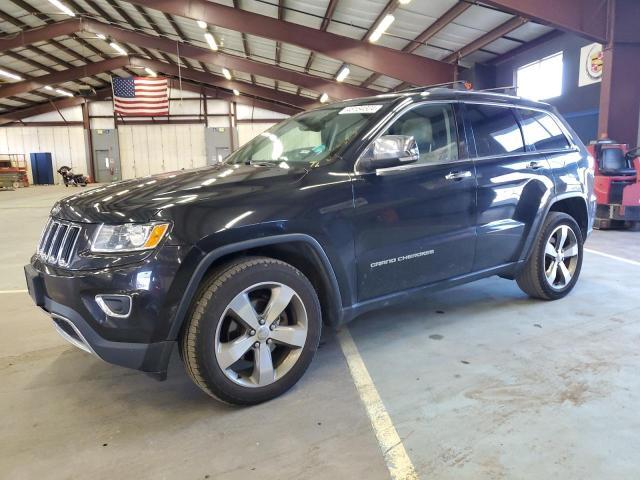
(318, 205)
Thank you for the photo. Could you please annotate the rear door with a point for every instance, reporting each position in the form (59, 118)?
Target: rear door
(513, 183)
(543, 135)
(415, 225)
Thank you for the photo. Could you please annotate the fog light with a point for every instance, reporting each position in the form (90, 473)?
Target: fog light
(118, 306)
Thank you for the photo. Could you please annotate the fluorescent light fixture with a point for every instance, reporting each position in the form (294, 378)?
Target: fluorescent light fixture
(324, 98)
(381, 28)
(211, 41)
(226, 73)
(404, 2)
(343, 73)
(236, 92)
(61, 6)
(10, 75)
(118, 48)
(64, 92)
(101, 36)
(202, 24)
(47, 87)
(150, 72)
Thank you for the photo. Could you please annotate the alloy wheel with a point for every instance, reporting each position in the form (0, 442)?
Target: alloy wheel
(561, 257)
(261, 334)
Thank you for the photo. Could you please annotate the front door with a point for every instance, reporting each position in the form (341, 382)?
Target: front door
(415, 225)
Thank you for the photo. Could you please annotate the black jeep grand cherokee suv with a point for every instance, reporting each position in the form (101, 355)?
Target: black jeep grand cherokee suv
(327, 215)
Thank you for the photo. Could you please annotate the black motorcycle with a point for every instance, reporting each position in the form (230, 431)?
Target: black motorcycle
(70, 178)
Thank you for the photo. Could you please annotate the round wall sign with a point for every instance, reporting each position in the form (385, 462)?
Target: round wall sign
(594, 62)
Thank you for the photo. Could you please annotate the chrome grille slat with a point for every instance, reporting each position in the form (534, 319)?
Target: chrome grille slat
(61, 235)
(43, 235)
(69, 245)
(51, 238)
(58, 242)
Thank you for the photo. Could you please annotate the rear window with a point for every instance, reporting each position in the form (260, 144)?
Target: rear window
(495, 129)
(541, 131)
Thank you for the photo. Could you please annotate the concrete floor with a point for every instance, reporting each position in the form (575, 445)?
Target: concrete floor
(480, 381)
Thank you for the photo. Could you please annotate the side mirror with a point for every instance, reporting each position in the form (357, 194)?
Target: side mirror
(389, 151)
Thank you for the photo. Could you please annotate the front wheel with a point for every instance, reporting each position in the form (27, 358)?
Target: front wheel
(252, 332)
(555, 263)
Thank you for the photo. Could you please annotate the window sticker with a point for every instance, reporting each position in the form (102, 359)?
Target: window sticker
(360, 109)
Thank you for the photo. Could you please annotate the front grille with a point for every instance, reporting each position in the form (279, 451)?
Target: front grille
(58, 242)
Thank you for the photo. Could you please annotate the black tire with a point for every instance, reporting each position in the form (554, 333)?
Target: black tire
(197, 343)
(532, 279)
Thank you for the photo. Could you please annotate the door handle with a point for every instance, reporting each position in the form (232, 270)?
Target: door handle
(533, 165)
(457, 176)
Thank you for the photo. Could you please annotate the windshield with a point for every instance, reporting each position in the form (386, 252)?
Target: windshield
(308, 138)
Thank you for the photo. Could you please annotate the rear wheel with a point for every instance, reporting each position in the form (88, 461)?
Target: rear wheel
(555, 263)
(253, 330)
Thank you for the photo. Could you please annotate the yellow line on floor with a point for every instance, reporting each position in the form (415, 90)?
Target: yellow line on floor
(395, 455)
(620, 259)
(13, 291)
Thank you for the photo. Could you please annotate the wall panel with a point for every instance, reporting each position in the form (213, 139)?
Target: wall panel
(144, 149)
(151, 149)
(66, 145)
(246, 131)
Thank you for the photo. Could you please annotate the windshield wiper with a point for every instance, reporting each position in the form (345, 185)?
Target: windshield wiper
(263, 163)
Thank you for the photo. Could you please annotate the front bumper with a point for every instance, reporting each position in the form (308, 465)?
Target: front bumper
(140, 340)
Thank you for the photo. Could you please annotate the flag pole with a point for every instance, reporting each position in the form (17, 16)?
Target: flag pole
(113, 105)
(179, 69)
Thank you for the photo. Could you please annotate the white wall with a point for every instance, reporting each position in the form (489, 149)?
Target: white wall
(149, 149)
(247, 131)
(260, 119)
(144, 149)
(66, 145)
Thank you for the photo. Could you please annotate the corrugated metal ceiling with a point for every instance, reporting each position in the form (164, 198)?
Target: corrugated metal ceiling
(351, 18)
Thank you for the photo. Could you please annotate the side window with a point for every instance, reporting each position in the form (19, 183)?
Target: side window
(541, 131)
(495, 129)
(434, 128)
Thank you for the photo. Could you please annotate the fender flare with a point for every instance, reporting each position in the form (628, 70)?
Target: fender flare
(533, 235)
(211, 257)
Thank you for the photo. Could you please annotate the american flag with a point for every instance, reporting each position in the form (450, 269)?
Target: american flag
(140, 96)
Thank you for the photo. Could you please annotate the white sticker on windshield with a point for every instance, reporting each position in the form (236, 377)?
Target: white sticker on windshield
(360, 109)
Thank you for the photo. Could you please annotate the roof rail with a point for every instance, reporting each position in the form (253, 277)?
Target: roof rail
(457, 85)
(510, 90)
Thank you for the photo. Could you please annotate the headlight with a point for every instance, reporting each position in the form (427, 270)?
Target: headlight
(128, 237)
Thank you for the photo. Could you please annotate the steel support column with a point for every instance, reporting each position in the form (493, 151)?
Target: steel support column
(88, 140)
(620, 90)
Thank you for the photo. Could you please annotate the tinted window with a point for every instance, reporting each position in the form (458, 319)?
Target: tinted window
(542, 131)
(495, 129)
(433, 126)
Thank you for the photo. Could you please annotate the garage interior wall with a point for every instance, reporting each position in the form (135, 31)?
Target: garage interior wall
(145, 149)
(150, 149)
(66, 144)
(579, 105)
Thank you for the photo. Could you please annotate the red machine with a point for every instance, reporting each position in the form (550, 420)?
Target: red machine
(617, 184)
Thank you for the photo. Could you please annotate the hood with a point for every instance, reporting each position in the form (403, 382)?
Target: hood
(142, 199)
